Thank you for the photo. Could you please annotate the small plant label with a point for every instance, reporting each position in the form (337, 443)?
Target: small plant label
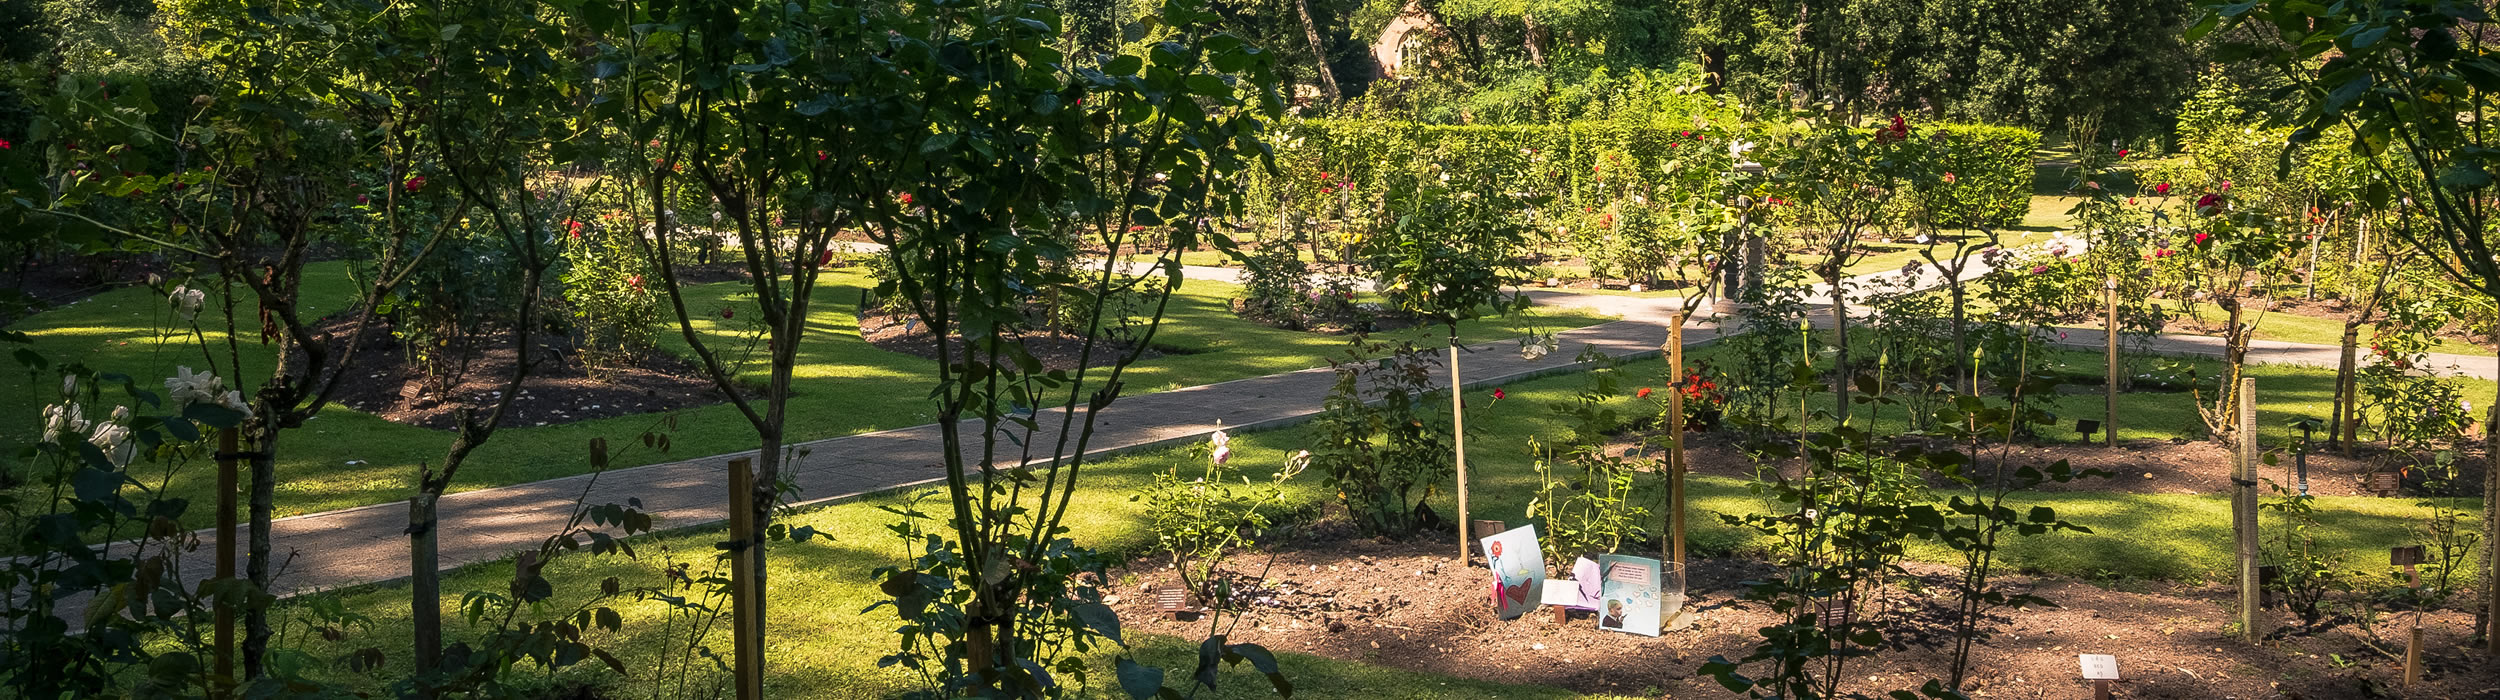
(2099, 667)
(2405, 556)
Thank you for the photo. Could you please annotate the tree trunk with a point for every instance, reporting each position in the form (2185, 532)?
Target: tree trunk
(1840, 343)
(1535, 38)
(2347, 417)
(1961, 336)
(264, 484)
(1319, 52)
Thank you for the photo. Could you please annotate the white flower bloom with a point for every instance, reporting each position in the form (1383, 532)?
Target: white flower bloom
(63, 418)
(188, 387)
(187, 302)
(121, 414)
(1223, 447)
(69, 386)
(233, 401)
(1736, 149)
(114, 440)
(1295, 464)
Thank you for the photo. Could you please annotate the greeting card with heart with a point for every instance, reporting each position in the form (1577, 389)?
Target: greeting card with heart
(1518, 571)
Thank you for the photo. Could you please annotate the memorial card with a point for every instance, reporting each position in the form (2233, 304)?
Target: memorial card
(1518, 571)
(1629, 600)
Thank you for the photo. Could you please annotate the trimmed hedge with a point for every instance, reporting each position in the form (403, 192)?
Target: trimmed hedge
(1992, 168)
(1321, 161)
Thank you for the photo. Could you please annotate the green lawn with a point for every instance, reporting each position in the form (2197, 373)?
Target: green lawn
(823, 646)
(344, 458)
(2295, 328)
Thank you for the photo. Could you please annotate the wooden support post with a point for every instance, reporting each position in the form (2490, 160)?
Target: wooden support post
(2491, 533)
(2100, 690)
(1676, 468)
(229, 478)
(745, 600)
(2413, 653)
(2244, 509)
(2109, 419)
(425, 583)
(2410, 558)
(1458, 438)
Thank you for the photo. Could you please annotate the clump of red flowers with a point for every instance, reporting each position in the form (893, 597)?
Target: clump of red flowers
(414, 183)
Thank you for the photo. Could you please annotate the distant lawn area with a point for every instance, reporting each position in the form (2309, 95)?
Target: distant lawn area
(344, 458)
(824, 646)
(2296, 328)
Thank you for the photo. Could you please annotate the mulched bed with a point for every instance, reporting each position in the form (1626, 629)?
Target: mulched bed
(1408, 605)
(560, 390)
(1056, 351)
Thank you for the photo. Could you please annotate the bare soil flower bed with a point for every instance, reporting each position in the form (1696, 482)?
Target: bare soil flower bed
(896, 333)
(560, 390)
(1409, 605)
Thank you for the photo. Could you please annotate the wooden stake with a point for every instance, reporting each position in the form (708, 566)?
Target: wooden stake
(229, 479)
(2413, 653)
(2100, 690)
(744, 599)
(1675, 427)
(2244, 509)
(2491, 533)
(2109, 419)
(425, 583)
(1458, 439)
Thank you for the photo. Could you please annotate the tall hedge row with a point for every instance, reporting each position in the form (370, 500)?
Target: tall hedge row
(1323, 160)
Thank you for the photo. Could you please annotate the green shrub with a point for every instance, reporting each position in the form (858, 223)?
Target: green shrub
(1992, 169)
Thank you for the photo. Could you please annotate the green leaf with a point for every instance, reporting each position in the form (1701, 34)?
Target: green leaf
(1140, 680)
(1100, 618)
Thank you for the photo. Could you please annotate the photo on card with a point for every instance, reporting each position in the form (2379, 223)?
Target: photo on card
(1630, 594)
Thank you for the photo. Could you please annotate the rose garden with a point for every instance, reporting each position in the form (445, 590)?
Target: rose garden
(1325, 348)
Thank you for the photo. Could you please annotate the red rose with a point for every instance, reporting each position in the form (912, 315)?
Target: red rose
(1498, 395)
(2122, 153)
(2162, 189)
(2200, 238)
(414, 183)
(728, 313)
(4, 145)
(1642, 394)
(825, 258)
(634, 281)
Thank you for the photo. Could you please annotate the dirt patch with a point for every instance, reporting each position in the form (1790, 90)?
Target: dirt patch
(1061, 351)
(2141, 466)
(1408, 605)
(560, 390)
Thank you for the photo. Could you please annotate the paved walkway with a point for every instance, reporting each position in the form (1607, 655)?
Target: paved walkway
(363, 545)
